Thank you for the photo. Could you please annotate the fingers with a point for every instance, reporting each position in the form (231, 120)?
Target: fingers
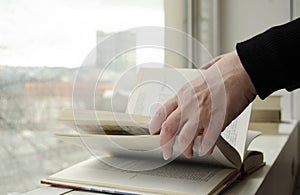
(209, 139)
(187, 137)
(211, 150)
(162, 114)
(168, 133)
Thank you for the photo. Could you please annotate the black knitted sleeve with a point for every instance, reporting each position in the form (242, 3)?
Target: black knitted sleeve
(272, 58)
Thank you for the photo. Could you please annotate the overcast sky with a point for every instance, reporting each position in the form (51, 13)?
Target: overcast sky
(63, 32)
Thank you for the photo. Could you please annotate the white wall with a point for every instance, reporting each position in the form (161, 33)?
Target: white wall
(242, 19)
(296, 104)
(175, 17)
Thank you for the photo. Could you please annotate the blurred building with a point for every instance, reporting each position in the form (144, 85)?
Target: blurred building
(118, 43)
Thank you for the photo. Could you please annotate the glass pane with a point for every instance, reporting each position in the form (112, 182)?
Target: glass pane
(42, 46)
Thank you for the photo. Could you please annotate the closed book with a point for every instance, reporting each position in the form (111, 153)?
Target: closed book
(282, 127)
(265, 115)
(272, 101)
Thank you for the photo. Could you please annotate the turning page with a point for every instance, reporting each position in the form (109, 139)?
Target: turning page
(237, 131)
(155, 86)
(139, 148)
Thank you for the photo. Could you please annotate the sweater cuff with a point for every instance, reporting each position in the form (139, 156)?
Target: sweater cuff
(257, 57)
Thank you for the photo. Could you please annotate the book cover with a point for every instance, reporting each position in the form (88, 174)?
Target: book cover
(265, 115)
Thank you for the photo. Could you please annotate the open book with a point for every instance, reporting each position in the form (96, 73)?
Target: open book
(127, 160)
(133, 163)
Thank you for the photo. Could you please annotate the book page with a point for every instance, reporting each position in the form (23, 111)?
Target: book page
(236, 132)
(173, 178)
(139, 147)
(251, 136)
(161, 84)
(105, 122)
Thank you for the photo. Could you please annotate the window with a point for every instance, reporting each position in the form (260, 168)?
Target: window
(42, 46)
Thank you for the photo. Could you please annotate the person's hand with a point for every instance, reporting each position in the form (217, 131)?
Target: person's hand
(205, 105)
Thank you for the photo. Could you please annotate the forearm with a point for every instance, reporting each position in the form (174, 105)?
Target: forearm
(270, 58)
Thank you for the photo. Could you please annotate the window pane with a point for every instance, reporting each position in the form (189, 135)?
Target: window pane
(62, 32)
(42, 46)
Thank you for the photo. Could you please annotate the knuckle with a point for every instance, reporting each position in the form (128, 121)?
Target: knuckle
(192, 100)
(173, 102)
(167, 129)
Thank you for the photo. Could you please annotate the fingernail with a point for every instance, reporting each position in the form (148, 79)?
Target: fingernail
(200, 151)
(167, 153)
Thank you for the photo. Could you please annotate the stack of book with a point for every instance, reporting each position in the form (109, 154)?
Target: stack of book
(266, 114)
